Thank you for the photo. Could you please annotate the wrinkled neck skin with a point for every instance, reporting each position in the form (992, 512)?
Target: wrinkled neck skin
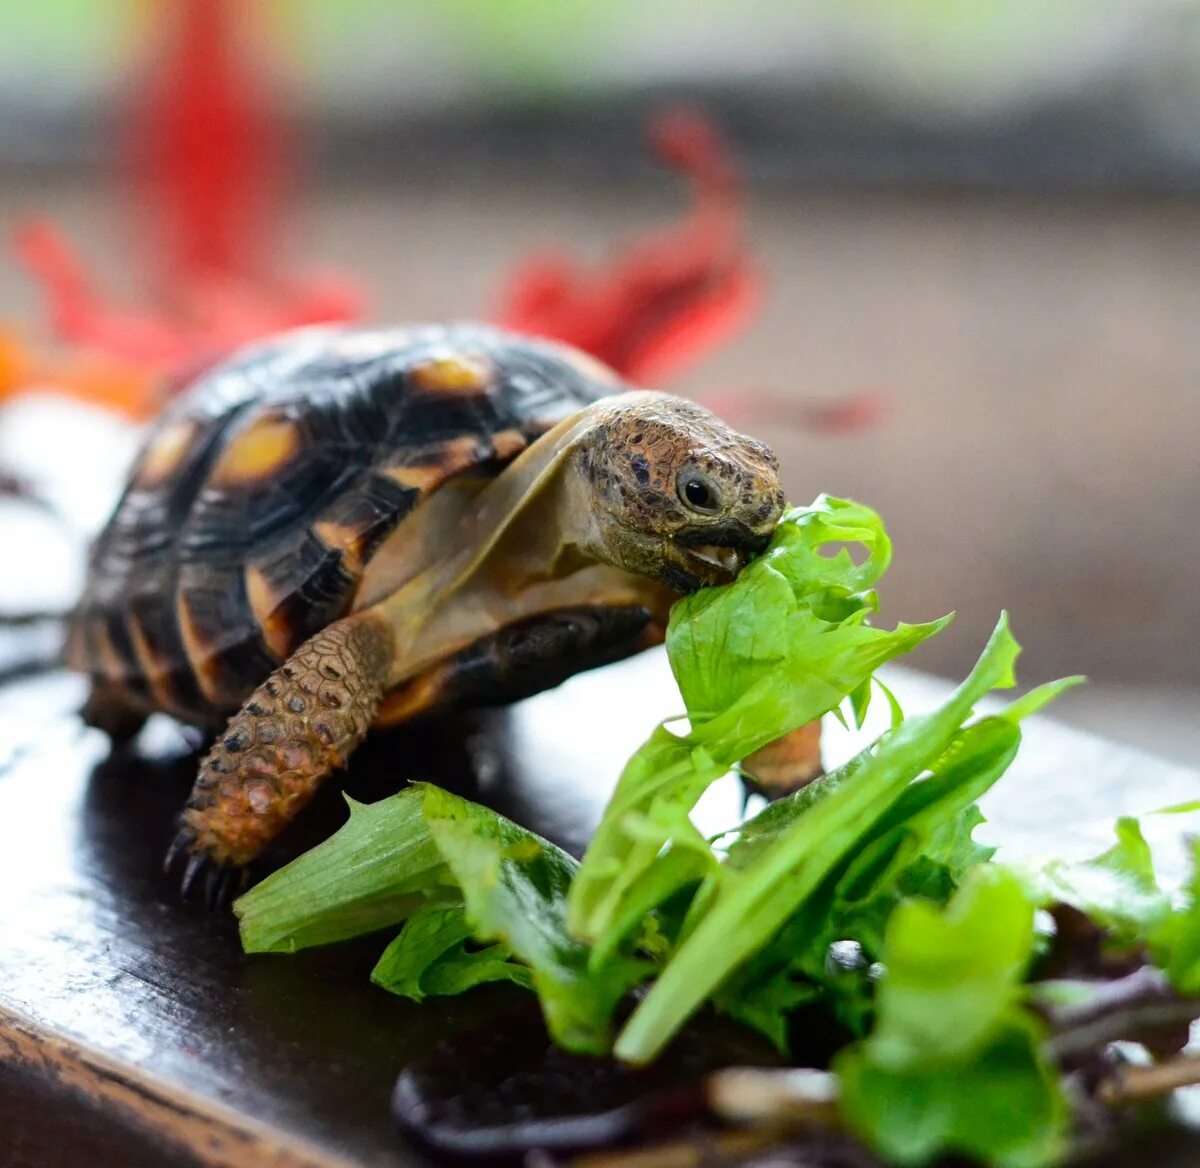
(473, 559)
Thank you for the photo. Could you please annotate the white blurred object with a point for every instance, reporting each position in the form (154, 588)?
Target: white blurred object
(76, 454)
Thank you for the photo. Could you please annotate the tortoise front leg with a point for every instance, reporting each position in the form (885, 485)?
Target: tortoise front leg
(300, 725)
(785, 765)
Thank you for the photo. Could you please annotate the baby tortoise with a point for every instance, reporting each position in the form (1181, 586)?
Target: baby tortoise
(344, 529)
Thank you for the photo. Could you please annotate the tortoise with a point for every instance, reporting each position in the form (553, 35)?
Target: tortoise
(340, 529)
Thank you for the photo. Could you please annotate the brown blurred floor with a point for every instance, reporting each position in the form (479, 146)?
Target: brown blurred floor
(1039, 356)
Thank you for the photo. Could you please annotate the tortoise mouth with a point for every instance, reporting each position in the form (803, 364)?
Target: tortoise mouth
(714, 554)
(729, 561)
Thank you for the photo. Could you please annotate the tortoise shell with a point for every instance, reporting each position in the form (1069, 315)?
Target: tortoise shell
(262, 492)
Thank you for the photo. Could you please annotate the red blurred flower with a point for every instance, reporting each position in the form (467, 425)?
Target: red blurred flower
(671, 297)
(208, 159)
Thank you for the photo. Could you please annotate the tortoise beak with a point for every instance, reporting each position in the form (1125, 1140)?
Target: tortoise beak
(730, 533)
(714, 553)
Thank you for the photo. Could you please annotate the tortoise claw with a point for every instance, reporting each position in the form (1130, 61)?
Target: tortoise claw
(191, 874)
(216, 883)
(221, 886)
(179, 846)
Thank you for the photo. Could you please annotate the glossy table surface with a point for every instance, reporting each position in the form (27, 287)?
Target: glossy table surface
(118, 1000)
(132, 1028)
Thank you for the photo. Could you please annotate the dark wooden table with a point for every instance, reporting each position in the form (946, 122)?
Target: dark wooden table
(132, 1029)
(134, 1032)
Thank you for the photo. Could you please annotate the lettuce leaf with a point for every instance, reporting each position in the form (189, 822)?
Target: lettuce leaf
(1117, 889)
(432, 957)
(1003, 1106)
(868, 873)
(953, 1064)
(452, 870)
(720, 647)
(380, 868)
(752, 902)
(514, 887)
(784, 644)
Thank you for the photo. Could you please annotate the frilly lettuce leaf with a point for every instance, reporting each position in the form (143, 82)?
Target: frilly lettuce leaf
(433, 957)
(871, 871)
(445, 864)
(514, 888)
(789, 867)
(1121, 890)
(380, 868)
(722, 640)
(784, 644)
(1177, 939)
(953, 1064)
(1117, 889)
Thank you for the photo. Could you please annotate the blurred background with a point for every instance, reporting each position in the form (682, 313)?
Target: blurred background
(970, 235)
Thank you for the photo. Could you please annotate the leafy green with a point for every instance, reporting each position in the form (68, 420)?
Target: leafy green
(514, 887)
(968, 957)
(431, 957)
(454, 870)
(1118, 889)
(953, 1063)
(1121, 891)
(864, 893)
(1003, 1104)
(784, 644)
(376, 871)
(1176, 939)
(921, 847)
(753, 901)
(720, 647)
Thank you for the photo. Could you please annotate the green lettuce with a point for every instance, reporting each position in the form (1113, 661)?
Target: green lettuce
(1117, 889)
(953, 1063)
(453, 870)
(434, 956)
(784, 644)
(1121, 890)
(776, 873)
(378, 870)
(864, 893)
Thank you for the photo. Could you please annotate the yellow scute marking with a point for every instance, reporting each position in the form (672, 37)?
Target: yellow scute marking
(154, 668)
(508, 444)
(165, 452)
(199, 651)
(112, 667)
(339, 537)
(264, 604)
(416, 478)
(460, 373)
(456, 455)
(257, 452)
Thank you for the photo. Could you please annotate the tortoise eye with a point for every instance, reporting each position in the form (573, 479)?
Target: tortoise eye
(698, 492)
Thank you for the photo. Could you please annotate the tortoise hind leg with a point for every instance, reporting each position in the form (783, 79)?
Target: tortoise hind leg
(109, 710)
(298, 727)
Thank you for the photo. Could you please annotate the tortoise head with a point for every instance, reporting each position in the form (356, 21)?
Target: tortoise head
(675, 494)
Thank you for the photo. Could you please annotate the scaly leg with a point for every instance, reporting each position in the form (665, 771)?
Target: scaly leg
(300, 725)
(785, 765)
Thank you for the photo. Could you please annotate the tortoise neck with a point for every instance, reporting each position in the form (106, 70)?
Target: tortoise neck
(528, 542)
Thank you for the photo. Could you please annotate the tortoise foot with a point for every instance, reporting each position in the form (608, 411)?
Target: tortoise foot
(217, 883)
(784, 766)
